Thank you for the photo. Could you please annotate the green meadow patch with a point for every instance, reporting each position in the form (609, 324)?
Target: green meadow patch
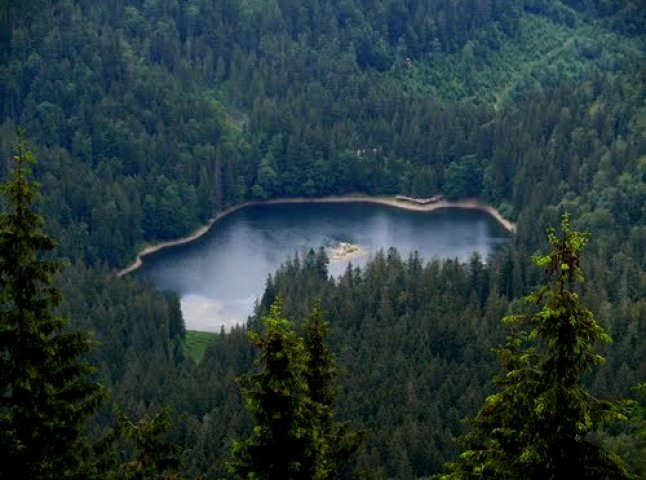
(196, 343)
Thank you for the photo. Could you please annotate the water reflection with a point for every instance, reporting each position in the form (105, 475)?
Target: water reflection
(219, 276)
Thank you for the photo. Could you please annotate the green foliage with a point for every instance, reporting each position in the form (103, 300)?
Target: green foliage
(339, 443)
(463, 178)
(631, 444)
(285, 439)
(495, 70)
(134, 451)
(149, 123)
(197, 343)
(537, 425)
(291, 398)
(414, 354)
(140, 334)
(149, 117)
(47, 391)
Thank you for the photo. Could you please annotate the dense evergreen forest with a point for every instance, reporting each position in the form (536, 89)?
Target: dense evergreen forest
(150, 116)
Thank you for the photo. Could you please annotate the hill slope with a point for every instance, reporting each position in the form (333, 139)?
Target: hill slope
(151, 116)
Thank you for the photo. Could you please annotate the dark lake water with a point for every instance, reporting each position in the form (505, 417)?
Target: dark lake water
(220, 275)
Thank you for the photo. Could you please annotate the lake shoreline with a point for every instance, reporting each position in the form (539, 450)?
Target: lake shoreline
(467, 204)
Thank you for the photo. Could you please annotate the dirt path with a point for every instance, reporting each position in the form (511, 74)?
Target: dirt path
(468, 204)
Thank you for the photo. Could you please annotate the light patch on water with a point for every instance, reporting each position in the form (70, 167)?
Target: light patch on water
(219, 278)
(208, 315)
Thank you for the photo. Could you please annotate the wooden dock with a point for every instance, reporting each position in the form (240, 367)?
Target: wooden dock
(420, 201)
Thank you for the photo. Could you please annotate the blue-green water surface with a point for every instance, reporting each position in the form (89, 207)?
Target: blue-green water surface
(219, 276)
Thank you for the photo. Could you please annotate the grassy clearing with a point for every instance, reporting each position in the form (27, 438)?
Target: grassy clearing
(196, 343)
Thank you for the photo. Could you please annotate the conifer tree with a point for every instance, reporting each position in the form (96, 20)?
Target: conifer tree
(151, 455)
(291, 398)
(46, 389)
(281, 442)
(537, 425)
(339, 442)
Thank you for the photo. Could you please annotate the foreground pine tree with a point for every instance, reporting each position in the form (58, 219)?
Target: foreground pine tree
(283, 441)
(291, 398)
(46, 389)
(339, 441)
(537, 425)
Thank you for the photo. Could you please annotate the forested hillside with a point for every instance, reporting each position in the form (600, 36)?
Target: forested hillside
(150, 116)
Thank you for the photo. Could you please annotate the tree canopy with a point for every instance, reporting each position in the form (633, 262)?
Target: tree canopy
(291, 398)
(47, 389)
(149, 117)
(537, 425)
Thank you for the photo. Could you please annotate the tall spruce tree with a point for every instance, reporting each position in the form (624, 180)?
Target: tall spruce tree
(291, 397)
(338, 441)
(537, 425)
(46, 389)
(284, 440)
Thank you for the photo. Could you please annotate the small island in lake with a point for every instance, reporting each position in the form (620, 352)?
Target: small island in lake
(343, 250)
